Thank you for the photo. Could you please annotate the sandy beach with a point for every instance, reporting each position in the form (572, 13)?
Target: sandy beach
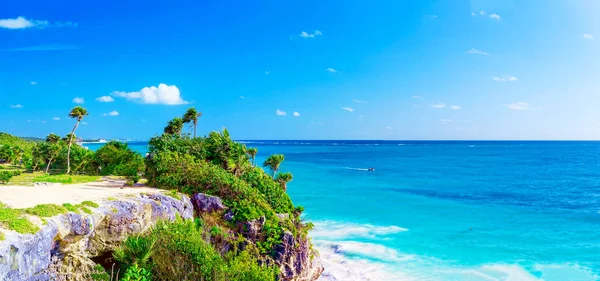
(30, 196)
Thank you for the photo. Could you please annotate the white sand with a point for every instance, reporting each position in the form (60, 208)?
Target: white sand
(29, 196)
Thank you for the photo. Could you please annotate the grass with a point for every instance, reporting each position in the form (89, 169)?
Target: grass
(66, 178)
(83, 207)
(30, 178)
(173, 193)
(15, 219)
(46, 210)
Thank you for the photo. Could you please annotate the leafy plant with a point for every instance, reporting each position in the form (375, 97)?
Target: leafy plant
(273, 162)
(5, 176)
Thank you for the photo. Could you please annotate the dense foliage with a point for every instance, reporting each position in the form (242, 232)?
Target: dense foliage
(182, 250)
(219, 166)
(116, 158)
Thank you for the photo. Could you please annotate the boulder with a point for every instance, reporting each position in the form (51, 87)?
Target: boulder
(63, 248)
(206, 203)
(297, 261)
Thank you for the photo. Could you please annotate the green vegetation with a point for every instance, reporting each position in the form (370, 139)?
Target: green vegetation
(76, 113)
(191, 116)
(15, 219)
(46, 210)
(67, 179)
(273, 162)
(181, 250)
(2, 236)
(116, 158)
(5, 176)
(283, 179)
(99, 274)
(80, 207)
(90, 204)
(174, 126)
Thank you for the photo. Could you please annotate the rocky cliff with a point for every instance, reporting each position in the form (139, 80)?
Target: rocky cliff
(68, 246)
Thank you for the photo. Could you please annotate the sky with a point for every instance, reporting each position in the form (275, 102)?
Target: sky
(390, 70)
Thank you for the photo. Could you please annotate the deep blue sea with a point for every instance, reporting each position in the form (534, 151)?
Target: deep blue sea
(447, 210)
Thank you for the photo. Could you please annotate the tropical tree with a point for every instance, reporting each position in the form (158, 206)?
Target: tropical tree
(273, 162)
(53, 138)
(283, 179)
(238, 165)
(174, 126)
(252, 153)
(191, 116)
(76, 113)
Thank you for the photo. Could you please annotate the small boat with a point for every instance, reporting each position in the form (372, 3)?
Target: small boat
(371, 169)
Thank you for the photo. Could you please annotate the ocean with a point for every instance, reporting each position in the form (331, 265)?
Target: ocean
(447, 210)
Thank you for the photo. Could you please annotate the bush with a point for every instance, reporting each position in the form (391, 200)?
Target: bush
(5, 176)
(116, 158)
(178, 251)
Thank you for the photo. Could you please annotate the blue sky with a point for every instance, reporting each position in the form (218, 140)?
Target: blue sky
(417, 69)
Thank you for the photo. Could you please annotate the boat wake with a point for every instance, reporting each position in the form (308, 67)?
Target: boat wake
(356, 169)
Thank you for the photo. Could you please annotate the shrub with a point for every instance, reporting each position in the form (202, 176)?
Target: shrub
(178, 251)
(15, 220)
(46, 210)
(136, 273)
(116, 158)
(5, 176)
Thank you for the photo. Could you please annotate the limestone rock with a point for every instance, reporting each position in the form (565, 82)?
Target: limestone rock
(296, 260)
(71, 240)
(206, 204)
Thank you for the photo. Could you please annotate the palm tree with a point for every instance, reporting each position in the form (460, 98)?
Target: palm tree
(252, 152)
(273, 163)
(174, 126)
(283, 179)
(53, 138)
(77, 113)
(238, 165)
(191, 116)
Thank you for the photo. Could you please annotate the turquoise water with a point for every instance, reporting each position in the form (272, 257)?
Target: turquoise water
(448, 210)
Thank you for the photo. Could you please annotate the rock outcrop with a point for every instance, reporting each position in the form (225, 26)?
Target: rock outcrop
(66, 245)
(73, 239)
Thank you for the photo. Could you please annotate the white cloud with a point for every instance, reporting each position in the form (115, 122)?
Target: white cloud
(504, 78)
(306, 35)
(112, 113)
(28, 120)
(483, 13)
(439, 105)
(55, 118)
(267, 72)
(78, 100)
(33, 83)
(348, 109)
(477, 52)
(445, 120)
(44, 122)
(455, 107)
(417, 97)
(519, 106)
(296, 114)
(162, 94)
(331, 70)
(389, 127)
(357, 101)
(361, 116)
(280, 112)
(495, 16)
(105, 99)
(433, 17)
(588, 36)
(473, 14)
(16, 105)
(83, 123)
(242, 97)
(22, 23)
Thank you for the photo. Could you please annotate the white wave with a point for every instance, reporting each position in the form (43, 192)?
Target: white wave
(356, 169)
(345, 258)
(335, 230)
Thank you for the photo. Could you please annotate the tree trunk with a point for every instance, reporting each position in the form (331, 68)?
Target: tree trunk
(195, 125)
(69, 149)
(49, 162)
